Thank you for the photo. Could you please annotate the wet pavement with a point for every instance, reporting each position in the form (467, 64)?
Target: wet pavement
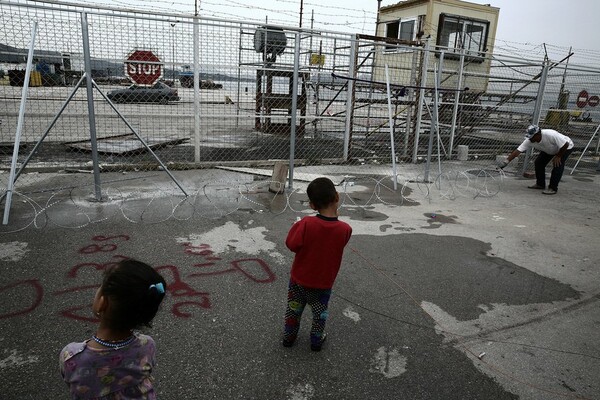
(441, 295)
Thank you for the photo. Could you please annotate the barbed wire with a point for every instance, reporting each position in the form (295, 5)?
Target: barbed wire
(355, 18)
(75, 207)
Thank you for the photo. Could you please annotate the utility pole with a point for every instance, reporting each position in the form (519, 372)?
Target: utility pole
(301, 7)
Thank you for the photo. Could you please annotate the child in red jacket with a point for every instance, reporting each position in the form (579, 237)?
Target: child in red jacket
(318, 242)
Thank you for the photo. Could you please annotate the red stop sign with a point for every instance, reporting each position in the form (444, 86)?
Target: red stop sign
(143, 67)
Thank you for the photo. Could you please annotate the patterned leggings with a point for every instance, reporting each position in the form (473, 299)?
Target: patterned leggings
(298, 297)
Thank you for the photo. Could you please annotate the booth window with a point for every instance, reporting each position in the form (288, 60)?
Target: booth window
(400, 29)
(456, 33)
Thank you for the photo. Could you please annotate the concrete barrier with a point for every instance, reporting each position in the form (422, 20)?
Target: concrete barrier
(462, 152)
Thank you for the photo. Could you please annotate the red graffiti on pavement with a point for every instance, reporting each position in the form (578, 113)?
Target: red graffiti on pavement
(254, 269)
(37, 298)
(200, 250)
(184, 295)
(178, 288)
(99, 267)
(74, 312)
(105, 248)
(83, 312)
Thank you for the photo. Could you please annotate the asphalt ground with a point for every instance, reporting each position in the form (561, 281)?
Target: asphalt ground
(439, 297)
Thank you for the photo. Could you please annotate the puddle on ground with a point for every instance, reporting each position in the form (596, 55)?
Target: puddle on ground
(436, 220)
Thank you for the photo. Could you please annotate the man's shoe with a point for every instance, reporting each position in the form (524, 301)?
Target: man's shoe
(287, 343)
(549, 191)
(536, 186)
(317, 347)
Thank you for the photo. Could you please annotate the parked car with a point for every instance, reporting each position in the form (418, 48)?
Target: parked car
(187, 81)
(159, 93)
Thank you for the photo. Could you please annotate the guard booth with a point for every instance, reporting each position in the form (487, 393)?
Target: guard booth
(275, 86)
(274, 94)
(456, 27)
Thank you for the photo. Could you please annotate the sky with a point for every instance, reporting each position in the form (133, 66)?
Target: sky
(525, 24)
(557, 22)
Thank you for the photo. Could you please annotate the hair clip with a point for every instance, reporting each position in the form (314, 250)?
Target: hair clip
(158, 286)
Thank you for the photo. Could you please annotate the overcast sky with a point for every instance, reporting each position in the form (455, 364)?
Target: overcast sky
(522, 22)
(558, 22)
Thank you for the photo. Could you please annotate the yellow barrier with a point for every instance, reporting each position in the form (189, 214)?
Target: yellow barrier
(35, 79)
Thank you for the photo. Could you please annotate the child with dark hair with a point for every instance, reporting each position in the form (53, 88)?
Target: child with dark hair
(116, 363)
(318, 242)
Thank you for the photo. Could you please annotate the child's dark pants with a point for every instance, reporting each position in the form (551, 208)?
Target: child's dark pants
(298, 297)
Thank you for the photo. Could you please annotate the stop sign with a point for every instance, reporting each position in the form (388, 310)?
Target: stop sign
(143, 67)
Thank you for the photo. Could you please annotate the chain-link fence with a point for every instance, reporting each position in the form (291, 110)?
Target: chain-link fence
(177, 92)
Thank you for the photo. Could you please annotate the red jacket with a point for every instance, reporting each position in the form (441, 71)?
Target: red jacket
(319, 243)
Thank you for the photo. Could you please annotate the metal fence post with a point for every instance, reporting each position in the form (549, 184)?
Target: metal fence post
(456, 101)
(391, 123)
(239, 74)
(411, 98)
(434, 128)
(13, 166)
(90, 103)
(196, 89)
(537, 111)
(350, 95)
(294, 108)
(422, 84)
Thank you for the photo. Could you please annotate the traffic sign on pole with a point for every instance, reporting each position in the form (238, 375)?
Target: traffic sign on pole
(582, 99)
(143, 67)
